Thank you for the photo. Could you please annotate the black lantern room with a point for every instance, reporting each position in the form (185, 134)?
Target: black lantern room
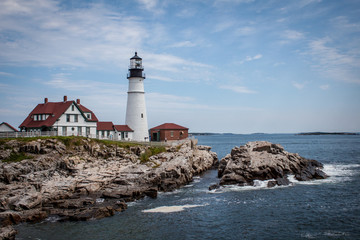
(136, 69)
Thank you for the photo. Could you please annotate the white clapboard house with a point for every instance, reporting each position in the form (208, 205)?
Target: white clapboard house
(71, 118)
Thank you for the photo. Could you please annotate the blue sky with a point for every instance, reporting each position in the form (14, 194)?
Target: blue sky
(240, 66)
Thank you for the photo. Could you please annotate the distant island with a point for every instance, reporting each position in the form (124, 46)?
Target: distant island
(328, 133)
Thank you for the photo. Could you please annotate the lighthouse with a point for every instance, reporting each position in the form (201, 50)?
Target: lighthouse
(136, 117)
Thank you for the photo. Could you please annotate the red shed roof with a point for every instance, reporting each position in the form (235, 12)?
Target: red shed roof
(123, 128)
(169, 126)
(105, 126)
(54, 110)
(5, 123)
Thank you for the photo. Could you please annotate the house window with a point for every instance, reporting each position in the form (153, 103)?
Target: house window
(108, 133)
(72, 107)
(172, 134)
(79, 130)
(67, 117)
(76, 119)
(35, 117)
(40, 117)
(142, 115)
(102, 133)
(87, 131)
(126, 134)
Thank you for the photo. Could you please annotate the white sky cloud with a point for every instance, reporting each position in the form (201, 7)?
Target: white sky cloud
(299, 86)
(333, 62)
(183, 44)
(238, 89)
(249, 58)
(325, 87)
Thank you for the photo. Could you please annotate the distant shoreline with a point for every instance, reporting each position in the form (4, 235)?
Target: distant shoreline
(305, 133)
(328, 133)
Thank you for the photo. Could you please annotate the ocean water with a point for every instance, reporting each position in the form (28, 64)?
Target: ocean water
(321, 209)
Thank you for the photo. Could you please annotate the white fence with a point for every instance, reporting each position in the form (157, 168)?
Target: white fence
(55, 133)
(27, 134)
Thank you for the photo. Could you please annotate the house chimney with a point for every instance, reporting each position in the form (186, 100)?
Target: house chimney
(78, 101)
(65, 98)
(46, 100)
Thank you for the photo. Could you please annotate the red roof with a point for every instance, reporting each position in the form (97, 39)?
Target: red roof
(86, 110)
(169, 126)
(5, 123)
(105, 126)
(123, 128)
(54, 110)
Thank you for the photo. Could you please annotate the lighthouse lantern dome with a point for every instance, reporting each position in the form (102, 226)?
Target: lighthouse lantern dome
(136, 62)
(136, 68)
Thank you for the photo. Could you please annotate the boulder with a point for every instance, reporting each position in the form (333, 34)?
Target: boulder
(263, 160)
(7, 233)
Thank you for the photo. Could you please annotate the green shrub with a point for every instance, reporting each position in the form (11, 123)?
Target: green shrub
(151, 152)
(17, 157)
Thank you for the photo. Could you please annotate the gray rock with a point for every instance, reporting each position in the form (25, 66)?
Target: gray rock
(263, 161)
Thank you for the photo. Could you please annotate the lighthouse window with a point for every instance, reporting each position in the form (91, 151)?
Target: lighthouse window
(142, 115)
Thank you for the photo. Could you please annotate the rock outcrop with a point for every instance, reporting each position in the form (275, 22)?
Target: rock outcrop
(89, 180)
(265, 161)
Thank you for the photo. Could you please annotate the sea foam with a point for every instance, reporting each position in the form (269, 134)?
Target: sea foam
(170, 209)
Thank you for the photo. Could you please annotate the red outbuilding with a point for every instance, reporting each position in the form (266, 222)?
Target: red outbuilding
(168, 132)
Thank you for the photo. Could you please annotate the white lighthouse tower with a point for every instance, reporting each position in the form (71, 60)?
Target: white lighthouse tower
(136, 117)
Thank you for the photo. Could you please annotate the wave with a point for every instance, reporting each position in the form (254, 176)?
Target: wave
(171, 209)
(336, 172)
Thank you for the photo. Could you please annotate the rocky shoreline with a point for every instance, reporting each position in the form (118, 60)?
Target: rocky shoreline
(84, 179)
(263, 160)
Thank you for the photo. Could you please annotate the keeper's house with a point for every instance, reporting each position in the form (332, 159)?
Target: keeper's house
(66, 118)
(107, 130)
(168, 132)
(6, 128)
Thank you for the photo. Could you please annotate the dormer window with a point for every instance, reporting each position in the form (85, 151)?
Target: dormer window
(88, 115)
(35, 117)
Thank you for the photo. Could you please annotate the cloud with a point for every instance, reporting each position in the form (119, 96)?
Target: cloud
(166, 62)
(6, 74)
(238, 89)
(222, 26)
(249, 58)
(65, 82)
(342, 23)
(222, 2)
(325, 87)
(245, 31)
(183, 44)
(334, 62)
(42, 33)
(151, 6)
(293, 35)
(164, 79)
(299, 86)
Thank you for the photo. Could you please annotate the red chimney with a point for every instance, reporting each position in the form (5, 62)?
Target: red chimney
(65, 98)
(78, 101)
(46, 100)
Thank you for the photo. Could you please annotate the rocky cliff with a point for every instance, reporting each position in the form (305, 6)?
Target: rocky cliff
(80, 179)
(264, 161)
